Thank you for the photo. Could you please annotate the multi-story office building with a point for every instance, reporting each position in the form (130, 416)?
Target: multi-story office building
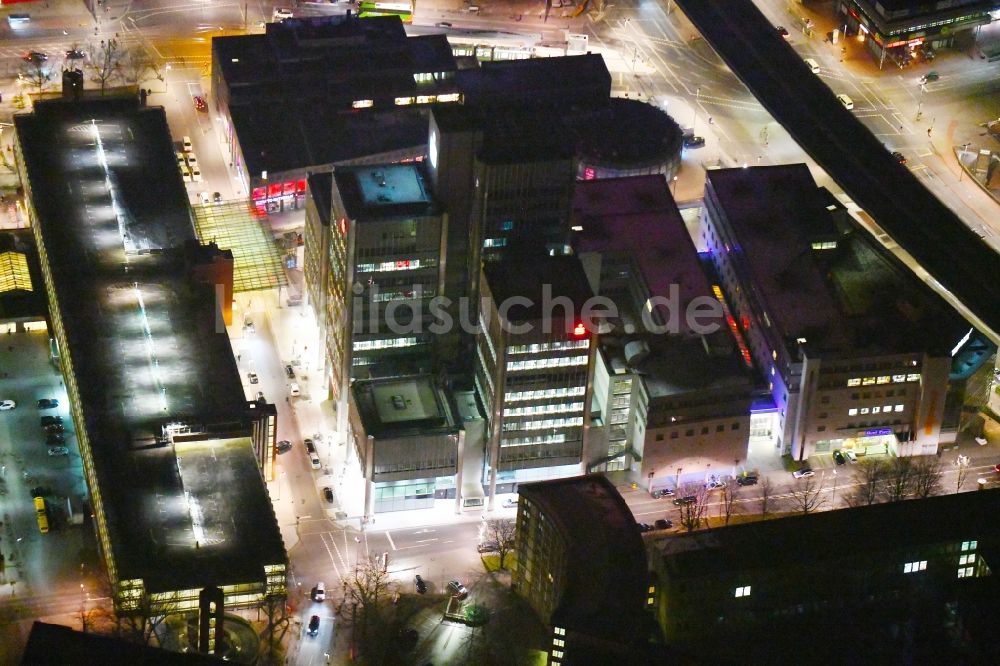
(411, 439)
(671, 383)
(535, 359)
(375, 259)
(314, 92)
(856, 351)
(581, 566)
(913, 578)
(892, 29)
(172, 450)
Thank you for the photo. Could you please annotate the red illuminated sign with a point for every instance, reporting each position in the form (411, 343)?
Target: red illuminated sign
(579, 330)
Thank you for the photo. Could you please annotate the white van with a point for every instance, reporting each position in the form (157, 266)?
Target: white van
(293, 389)
(846, 101)
(813, 65)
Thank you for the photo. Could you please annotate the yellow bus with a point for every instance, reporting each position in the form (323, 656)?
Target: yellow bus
(43, 518)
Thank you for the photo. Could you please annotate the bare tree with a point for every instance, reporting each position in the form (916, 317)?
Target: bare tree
(897, 480)
(278, 623)
(501, 531)
(141, 624)
(368, 588)
(765, 490)
(138, 66)
(963, 473)
(868, 476)
(36, 69)
(692, 500)
(729, 493)
(808, 495)
(105, 63)
(927, 474)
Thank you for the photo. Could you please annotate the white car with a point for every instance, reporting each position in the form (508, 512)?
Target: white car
(180, 159)
(58, 451)
(195, 174)
(280, 14)
(846, 101)
(192, 160)
(319, 592)
(204, 198)
(294, 390)
(185, 173)
(510, 503)
(6, 405)
(981, 441)
(186, 143)
(803, 473)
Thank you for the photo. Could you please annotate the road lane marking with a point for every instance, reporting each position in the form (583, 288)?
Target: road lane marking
(391, 542)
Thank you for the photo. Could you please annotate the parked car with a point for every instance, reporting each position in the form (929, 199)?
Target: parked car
(55, 439)
(314, 625)
(50, 420)
(252, 376)
(846, 101)
(420, 584)
(186, 144)
(48, 403)
(457, 589)
(199, 104)
(851, 456)
(294, 390)
(694, 141)
(195, 175)
(310, 445)
(314, 461)
(747, 480)
(803, 473)
(899, 157)
(217, 197)
(929, 77)
(204, 198)
(280, 14)
(6, 405)
(644, 527)
(284, 446)
(838, 457)
(487, 547)
(192, 160)
(663, 524)
(319, 592)
(58, 451)
(260, 396)
(663, 492)
(996, 468)
(982, 441)
(510, 503)
(328, 494)
(185, 173)
(687, 499)
(443, 24)
(290, 372)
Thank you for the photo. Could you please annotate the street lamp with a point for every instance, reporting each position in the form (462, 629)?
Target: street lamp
(674, 186)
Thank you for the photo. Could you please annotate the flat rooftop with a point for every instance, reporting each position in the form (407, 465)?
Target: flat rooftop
(112, 218)
(637, 217)
(837, 536)
(383, 191)
(605, 583)
(291, 91)
(855, 298)
(539, 279)
(402, 407)
(941, 242)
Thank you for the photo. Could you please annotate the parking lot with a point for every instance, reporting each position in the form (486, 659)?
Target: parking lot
(43, 571)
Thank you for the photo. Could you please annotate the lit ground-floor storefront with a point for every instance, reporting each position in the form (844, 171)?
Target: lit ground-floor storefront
(875, 442)
(412, 493)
